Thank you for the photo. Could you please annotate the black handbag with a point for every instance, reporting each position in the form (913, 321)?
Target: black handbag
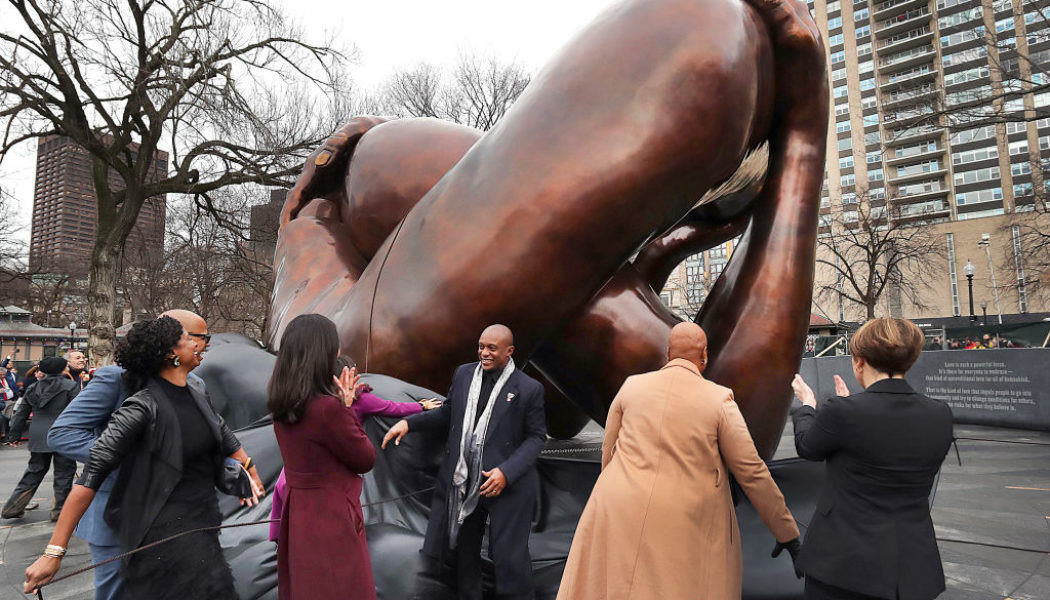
(233, 479)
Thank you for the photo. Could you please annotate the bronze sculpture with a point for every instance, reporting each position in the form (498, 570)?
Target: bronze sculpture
(562, 220)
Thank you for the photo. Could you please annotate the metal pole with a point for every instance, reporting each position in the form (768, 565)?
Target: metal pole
(991, 269)
(969, 284)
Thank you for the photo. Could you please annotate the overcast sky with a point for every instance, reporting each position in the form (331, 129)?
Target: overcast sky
(390, 34)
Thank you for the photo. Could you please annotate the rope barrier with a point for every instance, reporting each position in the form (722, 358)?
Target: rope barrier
(39, 590)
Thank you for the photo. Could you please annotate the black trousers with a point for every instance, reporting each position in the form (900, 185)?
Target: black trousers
(508, 550)
(39, 463)
(818, 590)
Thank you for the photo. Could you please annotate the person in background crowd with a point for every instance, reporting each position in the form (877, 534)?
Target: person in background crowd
(872, 535)
(170, 445)
(660, 522)
(75, 432)
(9, 376)
(367, 405)
(488, 478)
(322, 554)
(8, 398)
(46, 401)
(77, 367)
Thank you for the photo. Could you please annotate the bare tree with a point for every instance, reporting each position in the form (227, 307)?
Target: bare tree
(228, 87)
(477, 92)
(876, 249)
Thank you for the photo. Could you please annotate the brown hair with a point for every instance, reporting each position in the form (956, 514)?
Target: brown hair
(888, 344)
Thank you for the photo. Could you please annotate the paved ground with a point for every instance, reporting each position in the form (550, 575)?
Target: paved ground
(992, 516)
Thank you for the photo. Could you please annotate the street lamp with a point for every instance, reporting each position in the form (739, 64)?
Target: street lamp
(984, 309)
(969, 270)
(72, 332)
(985, 241)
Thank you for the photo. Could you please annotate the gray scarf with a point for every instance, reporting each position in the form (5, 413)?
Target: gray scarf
(466, 480)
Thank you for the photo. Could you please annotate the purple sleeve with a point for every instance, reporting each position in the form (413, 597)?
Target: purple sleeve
(279, 492)
(369, 405)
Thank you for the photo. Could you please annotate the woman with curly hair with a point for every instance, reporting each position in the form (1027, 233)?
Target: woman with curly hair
(169, 444)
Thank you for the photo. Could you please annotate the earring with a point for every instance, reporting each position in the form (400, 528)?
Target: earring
(175, 362)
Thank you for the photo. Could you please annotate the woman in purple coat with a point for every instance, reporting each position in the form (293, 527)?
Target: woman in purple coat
(323, 552)
(366, 405)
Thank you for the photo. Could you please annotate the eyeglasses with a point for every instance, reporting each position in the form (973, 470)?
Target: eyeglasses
(204, 336)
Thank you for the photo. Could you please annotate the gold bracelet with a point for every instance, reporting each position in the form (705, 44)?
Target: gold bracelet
(248, 463)
(54, 551)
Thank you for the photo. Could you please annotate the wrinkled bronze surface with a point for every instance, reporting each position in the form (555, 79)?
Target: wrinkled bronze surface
(414, 234)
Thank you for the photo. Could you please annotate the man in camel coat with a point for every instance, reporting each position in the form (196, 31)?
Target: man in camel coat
(660, 522)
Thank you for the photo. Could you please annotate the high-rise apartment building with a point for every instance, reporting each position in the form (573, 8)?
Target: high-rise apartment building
(65, 217)
(921, 93)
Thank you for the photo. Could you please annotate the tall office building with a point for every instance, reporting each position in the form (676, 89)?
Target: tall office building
(913, 84)
(65, 217)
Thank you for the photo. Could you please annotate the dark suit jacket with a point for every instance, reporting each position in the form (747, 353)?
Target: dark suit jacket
(872, 532)
(517, 432)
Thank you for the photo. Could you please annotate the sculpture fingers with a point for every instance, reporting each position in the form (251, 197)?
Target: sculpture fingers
(324, 169)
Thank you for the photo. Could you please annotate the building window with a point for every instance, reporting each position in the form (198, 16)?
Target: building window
(845, 162)
(873, 157)
(846, 180)
(860, 15)
(845, 144)
(840, 91)
(842, 126)
(863, 31)
(875, 175)
(838, 74)
(864, 49)
(969, 156)
(835, 40)
(992, 195)
(867, 84)
(952, 276)
(1020, 147)
(837, 57)
(868, 102)
(1017, 169)
(836, 23)
(866, 67)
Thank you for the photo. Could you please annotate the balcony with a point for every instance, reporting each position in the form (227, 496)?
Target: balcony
(902, 22)
(885, 10)
(908, 78)
(912, 135)
(903, 200)
(913, 37)
(900, 179)
(908, 57)
(893, 161)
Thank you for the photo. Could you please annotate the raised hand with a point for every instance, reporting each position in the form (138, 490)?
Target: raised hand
(803, 391)
(840, 387)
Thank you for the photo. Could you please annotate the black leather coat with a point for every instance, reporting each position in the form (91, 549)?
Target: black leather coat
(143, 438)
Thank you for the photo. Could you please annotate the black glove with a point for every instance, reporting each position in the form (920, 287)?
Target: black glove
(793, 547)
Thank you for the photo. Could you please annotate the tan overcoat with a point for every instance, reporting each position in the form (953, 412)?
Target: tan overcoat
(660, 522)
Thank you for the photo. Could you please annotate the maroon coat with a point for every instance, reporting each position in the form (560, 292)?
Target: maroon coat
(323, 554)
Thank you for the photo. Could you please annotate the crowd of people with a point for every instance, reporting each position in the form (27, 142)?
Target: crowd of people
(660, 521)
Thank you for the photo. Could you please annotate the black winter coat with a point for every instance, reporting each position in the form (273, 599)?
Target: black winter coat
(144, 439)
(46, 400)
(872, 532)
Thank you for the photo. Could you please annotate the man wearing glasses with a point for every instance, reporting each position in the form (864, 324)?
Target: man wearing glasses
(76, 430)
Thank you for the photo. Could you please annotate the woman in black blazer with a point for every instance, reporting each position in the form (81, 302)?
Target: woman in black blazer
(871, 535)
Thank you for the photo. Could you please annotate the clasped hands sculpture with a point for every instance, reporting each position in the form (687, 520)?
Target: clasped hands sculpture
(665, 128)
